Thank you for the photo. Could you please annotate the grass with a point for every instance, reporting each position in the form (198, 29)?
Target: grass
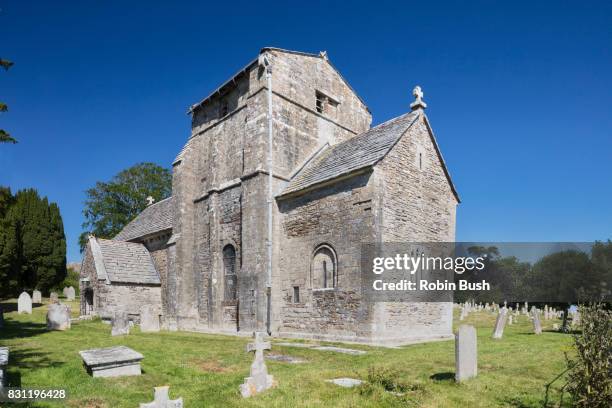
(206, 370)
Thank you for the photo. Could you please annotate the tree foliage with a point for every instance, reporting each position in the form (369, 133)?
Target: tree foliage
(111, 205)
(5, 137)
(32, 242)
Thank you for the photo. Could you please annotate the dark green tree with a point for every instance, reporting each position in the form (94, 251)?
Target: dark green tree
(5, 137)
(111, 205)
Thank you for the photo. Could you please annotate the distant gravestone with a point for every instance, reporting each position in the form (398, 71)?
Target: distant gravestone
(149, 319)
(466, 353)
(115, 361)
(24, 303)
(37, 297)
(69, 293)
(120, 324)
(162, 400)
(259, 380)
(53, 297)
(4, 358)
(510, 320)
(500, 323)
(346, 382)
(58, 317)
(576, 319)
(537, 325)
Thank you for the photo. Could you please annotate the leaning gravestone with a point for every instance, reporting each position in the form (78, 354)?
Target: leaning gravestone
(162, 400)
(36, 297)
(115, 361)
(259, 380)
(58, 317)
(500, 323)
(4, 357)
(149, 319)
(120, 324)
(24, 303)
(537, 325)
(53, 297)
(69, 293)
(466, 353)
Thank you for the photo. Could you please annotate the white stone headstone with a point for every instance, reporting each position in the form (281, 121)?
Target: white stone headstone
(149, 319)
(24, 303)
(120, 324)
(537, 325)
(259, 380)
(69, 293)
(58, 317)
(4, 358)
(500, 323)
(53, 298)
(466, 353)
(36, 297)
(162, 400)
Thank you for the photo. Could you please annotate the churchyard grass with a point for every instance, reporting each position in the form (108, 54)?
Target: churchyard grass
(206, 370)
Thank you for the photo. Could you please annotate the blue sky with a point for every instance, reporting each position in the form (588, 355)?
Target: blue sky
(519, 94)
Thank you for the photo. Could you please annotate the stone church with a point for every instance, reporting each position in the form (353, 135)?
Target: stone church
(280, 182)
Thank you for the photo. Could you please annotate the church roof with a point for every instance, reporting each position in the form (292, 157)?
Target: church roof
(126, 262)
(359, 152)
(155, 218)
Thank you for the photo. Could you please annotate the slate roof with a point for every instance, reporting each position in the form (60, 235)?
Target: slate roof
(126, 262)
(359, 152)
(155, 218)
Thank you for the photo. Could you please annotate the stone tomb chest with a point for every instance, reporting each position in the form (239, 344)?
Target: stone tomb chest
(112, 361)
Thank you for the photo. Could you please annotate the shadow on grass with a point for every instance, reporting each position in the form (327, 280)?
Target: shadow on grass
(446, 376)
(17, 330)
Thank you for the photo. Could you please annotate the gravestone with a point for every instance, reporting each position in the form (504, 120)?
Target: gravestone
(37, 297)
(500, 323)
(115, 361)
(120, 324)
(162, 400)
(510, 320)
(58, 317)
(466, 353)
(576, 319)
(537, 325)
(53, 297)
(342, 350)
(69, 293)
(4, 358)
(149, 319)
(346, 382)
(259, 380)
(24, 303)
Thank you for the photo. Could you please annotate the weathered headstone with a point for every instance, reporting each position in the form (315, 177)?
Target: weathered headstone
(53, 297)
(537, 325)
(4, 358)
(259, 380)
(346, 382)
(112, 361)
(58, 317)
(510, 319)
(500, 323)
(120, 324)
(466, 353)
(37, 297)
(24, 303)
(149, 319)
(69, 293)
(162, 400)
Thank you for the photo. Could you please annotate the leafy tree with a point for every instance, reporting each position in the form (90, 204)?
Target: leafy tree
(5, 137)
(110, 206)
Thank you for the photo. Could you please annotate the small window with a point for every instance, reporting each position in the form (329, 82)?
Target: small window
(296, 294)
(420, 161)
(321, 101)
(224, 110)
(324, 268)
(229, 266)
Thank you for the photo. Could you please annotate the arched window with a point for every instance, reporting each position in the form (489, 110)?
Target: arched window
(324, 268)
(229, 270)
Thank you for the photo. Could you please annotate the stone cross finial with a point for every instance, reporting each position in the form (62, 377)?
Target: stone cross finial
(417, 92)
(150, 200)
(162, 400)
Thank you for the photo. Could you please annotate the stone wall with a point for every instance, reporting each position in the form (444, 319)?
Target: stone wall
(126, 297)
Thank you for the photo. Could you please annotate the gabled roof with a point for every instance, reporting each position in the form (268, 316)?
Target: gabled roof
(155, 218)
(322, 55)
(125, 262)
(359, 152)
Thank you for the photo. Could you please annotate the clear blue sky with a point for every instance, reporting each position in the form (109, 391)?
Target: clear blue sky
(519, 94)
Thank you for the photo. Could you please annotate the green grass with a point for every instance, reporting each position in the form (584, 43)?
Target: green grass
(206, 370)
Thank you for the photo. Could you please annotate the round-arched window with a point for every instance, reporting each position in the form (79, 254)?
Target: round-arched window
(229, 269)
(324, 268)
